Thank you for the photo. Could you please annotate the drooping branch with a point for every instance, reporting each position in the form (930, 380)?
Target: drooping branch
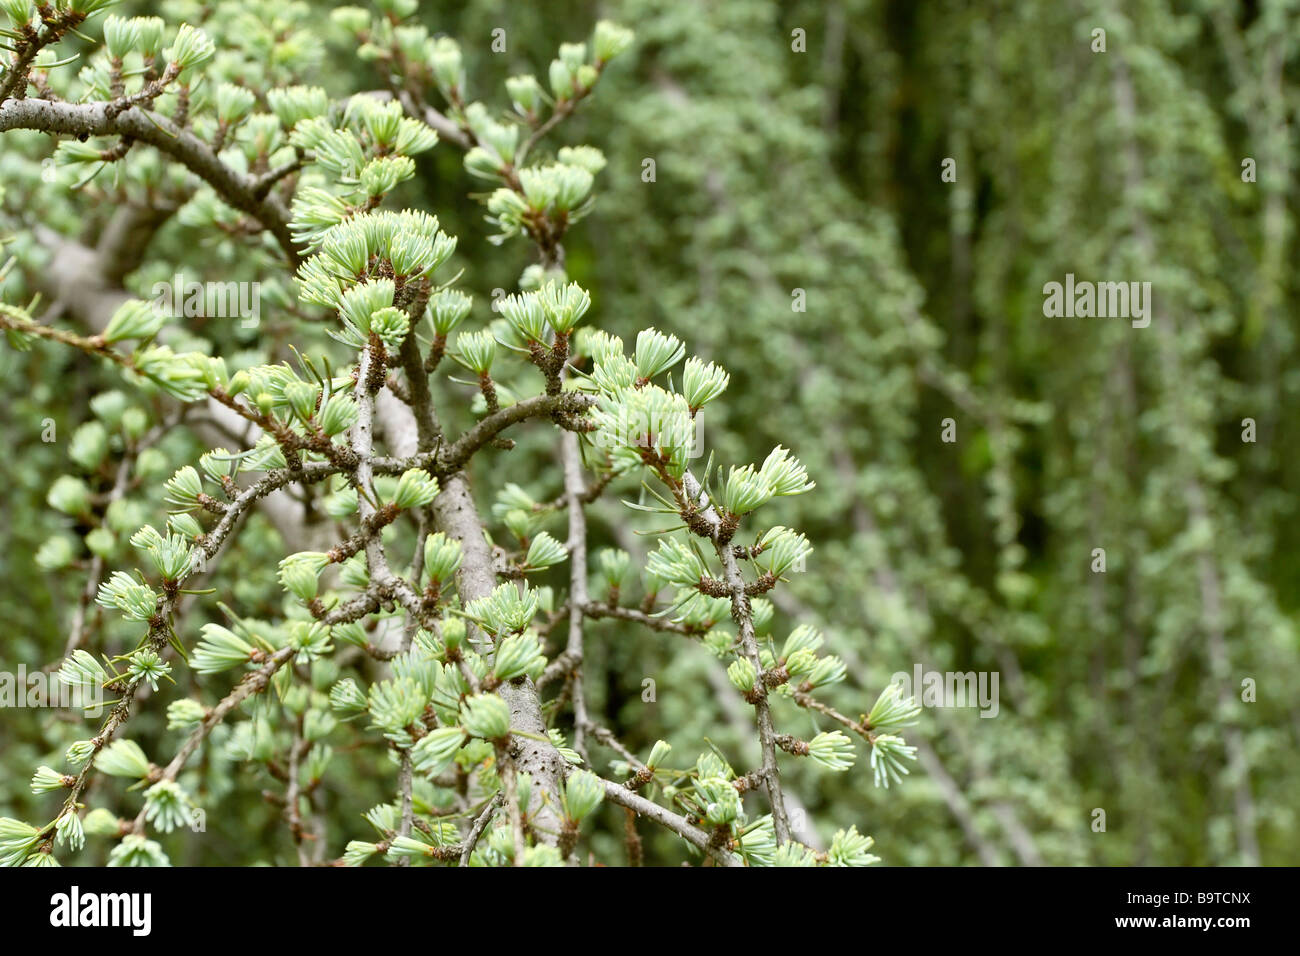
(252, 683)
(146, 126)
(81, 285)
(454, 456)
(1208, 571)
(654, 622)
(619, 794)
(742, 613)
(205, 549)
(457, 516)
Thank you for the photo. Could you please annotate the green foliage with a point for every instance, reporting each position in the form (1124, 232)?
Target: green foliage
(331, 612)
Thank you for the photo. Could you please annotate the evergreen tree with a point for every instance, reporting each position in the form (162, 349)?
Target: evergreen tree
(414, 413)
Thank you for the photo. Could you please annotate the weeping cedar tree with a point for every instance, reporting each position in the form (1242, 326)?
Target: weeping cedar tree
(412, 639)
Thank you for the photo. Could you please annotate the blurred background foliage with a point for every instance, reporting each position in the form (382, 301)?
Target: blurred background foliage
(819, 171)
